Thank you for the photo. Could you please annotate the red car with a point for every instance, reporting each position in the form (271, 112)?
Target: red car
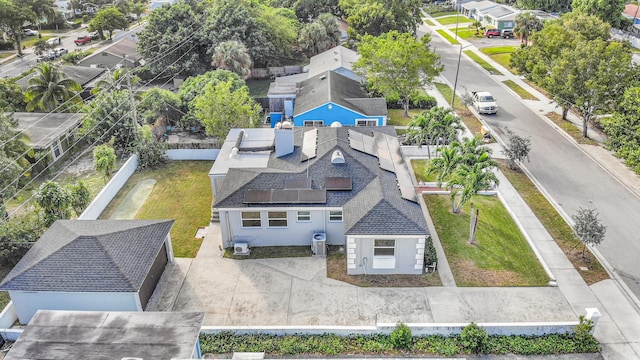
(492, 32)
(82, 40)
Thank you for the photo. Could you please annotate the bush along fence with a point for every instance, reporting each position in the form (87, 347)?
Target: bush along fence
(471, 339)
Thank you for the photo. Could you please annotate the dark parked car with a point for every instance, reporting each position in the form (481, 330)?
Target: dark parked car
(492, 32)
(507, 33)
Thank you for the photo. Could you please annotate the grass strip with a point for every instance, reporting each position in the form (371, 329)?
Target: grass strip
(442, 13)
(524, 94)
(429, 22)
(450, 20)
(420, 170)
(569, 128)
(448, 37)
(397, 118)
(501, 55)
(501, 255)
(469, 120)
(182, 192)
(556, 226)
(485, 65)
(272, 252)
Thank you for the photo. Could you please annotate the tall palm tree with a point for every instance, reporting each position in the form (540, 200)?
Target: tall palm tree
(314, 39)
(468, 180)
(233, 56)
(114, 80)
(444, 125)
(332, 27)
(444, 165)
(49, 88)
(526, 24)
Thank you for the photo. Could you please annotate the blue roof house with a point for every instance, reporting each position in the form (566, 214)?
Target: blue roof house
(329, 97)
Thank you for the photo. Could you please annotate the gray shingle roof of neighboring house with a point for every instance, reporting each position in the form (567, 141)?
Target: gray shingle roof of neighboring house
(44, 128)
(332, 59)
(80, 74)
(373, 206)
(90, 256)
(499, 12)
(330, 86)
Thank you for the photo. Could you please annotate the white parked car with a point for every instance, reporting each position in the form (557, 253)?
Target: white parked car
(484, 102)
(29, 32)
(60, 51)
(54, 41)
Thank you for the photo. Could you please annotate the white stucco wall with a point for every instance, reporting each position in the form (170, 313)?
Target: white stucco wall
(408, 259)
(295, 234)
(192, 154)
(27, 303)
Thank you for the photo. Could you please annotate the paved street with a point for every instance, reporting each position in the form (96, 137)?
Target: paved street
(565, 172)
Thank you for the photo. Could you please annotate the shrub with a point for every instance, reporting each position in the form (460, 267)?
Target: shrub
(422, 100)
(151, 153)
(401, 337)
(582, 335)
(474, 339)
(430, 255)
(6, 45)
(393, 102)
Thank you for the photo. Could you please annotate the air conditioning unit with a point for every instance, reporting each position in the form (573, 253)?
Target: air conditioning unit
(241, 248)
(319, 244)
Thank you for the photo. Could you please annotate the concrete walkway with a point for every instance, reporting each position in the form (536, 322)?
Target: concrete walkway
(619, 328)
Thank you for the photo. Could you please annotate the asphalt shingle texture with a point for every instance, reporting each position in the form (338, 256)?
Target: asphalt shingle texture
(90, 256)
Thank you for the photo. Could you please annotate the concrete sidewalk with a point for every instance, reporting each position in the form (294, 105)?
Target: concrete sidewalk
(619, 328)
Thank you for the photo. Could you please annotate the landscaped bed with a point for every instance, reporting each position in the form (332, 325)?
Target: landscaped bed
(501, 255)
(182, 192)
(270, 252)
(397, 118)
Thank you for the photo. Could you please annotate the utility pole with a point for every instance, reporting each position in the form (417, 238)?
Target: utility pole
(134, 127)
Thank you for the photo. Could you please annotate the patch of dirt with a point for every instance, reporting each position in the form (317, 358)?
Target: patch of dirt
(337, 270)
(595, 272)
(467, 274)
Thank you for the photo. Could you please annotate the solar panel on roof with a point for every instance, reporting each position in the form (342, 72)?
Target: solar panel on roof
(257, 197)
(284, 196)
(338, 183)
(297, 183)
(309, 143)
(387, 164)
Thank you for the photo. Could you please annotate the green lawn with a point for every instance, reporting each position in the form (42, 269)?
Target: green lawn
(258, 87)
(31, 40)
(485, 65)
(442, 13)
(560, 231)
(469, 120)
(397, 118)
(501, 55)
(448, 37)
(420, 169)
(501, 255)
(448, 20)
(429, 22)
(524, 94)
(182, 192)
(466, 33)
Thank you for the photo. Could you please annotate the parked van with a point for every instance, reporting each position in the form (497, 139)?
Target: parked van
(54, 41)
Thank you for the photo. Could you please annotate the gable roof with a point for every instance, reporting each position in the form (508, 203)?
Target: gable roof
(331, 87)
(90, 256)
(499, 12)
(80, 74)
(631, 11)
(374, 194)
(44, 128)
(108, 335)
(332, 59)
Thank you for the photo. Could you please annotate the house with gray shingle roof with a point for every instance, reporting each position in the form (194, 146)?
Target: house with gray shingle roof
(91, 265)
(337, 185)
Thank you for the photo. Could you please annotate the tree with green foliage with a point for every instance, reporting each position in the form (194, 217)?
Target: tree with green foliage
(80, 196)
(314, 39)
(124, 6)
(104, 160)
(9, 176)
(308, 10)
(196, 85)
(160, 105)
(221, 108)
(109, 115)
(41, 46)
(108, 20)
(587, 227)
(332, 26)
(233, 56)
(17, 234)
(609, 11)
(445, 164)
(151, 152)
(623, 129)
(54, 200)
(174, 39)
(545, 5)
(50, 88)
(11, 96)
(376, 17)
(13, 16)
(138, 9)
(517, 149)
(527, 23)
(434, 127)
(397, 64)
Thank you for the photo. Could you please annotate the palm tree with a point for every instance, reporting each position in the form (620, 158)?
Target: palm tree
(468, 180)
(233, 56)
(115, 80)
(444, 165)
(332, 27)
(418, 131)
(49, 88)
(444, 125)
(314, 39)
(526, 24)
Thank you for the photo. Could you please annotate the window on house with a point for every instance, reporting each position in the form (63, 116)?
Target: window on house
(314, 123)
(385, 248)
(251, 219)
(335, 216)
(304, 216)
(277, 219)
(366, 122)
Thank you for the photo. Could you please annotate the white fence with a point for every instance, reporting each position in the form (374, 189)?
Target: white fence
(110, 190)
(192, 154)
